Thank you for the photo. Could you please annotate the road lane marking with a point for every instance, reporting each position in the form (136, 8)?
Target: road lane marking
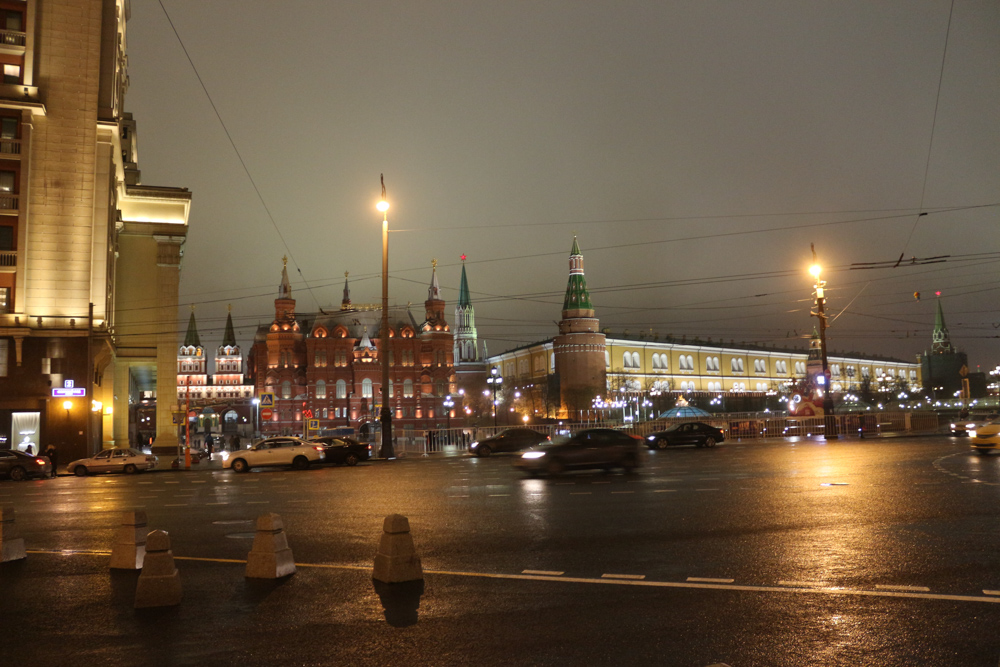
(199, 481)
(989, 592)
(623, 492)
(665, 491)
(581, 493)
(173, 482)
(499, 495)
(709, 580)
(890, 587)
(545, 573)
(258, 502)
(635, 577)
(177, 505)
(706, 489)
(584, 580)
(803, 584)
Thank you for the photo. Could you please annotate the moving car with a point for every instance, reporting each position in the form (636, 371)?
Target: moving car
(970, 426)
(20, 466)
(594, 448)
(120, 459)
(699, 434)
(986, 438)
(339, 449)
(277, 451)
(511, 440)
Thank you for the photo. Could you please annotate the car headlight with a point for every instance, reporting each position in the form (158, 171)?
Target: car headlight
(652, 437)
(474, 444)
(532, 455)
(972, 434)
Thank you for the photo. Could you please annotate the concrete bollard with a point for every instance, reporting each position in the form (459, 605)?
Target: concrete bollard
(270, 557)
(159, 582)
(396, 559)
(130, 542)
(11, 546)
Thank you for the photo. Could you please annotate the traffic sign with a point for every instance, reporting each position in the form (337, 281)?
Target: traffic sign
(313, 424)
(266, 414)
(267, 400)
(307, 414)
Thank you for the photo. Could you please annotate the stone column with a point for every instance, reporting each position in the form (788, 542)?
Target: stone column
(168, 261)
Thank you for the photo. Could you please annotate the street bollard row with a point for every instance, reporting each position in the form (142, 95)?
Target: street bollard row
(159, 583)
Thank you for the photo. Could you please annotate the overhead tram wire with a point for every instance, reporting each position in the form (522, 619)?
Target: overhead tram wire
(930, 143)
(239, 156)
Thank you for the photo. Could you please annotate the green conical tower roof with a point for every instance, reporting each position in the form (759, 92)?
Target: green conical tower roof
(577, 296)
(939, 324)
(229, 338)
(191, 339)
(463, 291)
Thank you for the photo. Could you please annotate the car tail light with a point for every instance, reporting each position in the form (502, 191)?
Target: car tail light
(318, 448)
(40, 462)
(369, 448)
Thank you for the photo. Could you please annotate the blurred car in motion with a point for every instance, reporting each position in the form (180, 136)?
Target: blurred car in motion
(277, 451)
(969, 426)
(986, 438)
(593, 448)
(119, 459)
(20, 466)
(510, 440)
(338, 449)
(698, 434)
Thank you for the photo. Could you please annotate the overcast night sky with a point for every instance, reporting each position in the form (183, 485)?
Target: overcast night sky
(695, 148)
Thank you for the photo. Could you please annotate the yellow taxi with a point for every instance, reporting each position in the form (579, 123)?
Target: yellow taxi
(986, 438)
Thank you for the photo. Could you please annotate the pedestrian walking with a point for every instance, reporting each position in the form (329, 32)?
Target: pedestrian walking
(53, 455)
(234, 443)
(208, 443)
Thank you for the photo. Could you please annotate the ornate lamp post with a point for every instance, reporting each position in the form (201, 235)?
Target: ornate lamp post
(448, 405)
(386, 415)
(494, 380)
(830, 426)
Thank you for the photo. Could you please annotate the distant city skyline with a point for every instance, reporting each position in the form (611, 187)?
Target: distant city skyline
(695, 150)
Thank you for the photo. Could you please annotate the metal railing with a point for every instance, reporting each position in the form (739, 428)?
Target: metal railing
(13, 37)
(10, 146)
(8, 258)
(9, 203)
(742, 426)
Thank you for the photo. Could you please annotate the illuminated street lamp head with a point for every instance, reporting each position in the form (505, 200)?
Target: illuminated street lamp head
(67, 405)
(382, 206)
(815, 270)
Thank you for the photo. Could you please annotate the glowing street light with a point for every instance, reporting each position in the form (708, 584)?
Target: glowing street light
(494, 380)
(386, 413)
(830, 421)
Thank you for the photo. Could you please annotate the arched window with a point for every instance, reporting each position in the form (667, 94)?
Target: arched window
(320, 389)
(627, 360)
(607, 359)
(407, 388)
(325, 410)
(664, 362)
(341, 389)
(366, 388)
(656, 362)
(635, 360)
(286, 389)
(392, 389)
(439, 388)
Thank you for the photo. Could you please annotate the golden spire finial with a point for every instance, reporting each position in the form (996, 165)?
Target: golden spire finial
(192, 307)
(434, 263)
(346, 273)
(284, 260)
(230, 307)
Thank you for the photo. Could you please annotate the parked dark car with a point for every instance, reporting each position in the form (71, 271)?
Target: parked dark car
(594, 448)
(698, 434)
(343, 450)
(511, 440)
(20, 466)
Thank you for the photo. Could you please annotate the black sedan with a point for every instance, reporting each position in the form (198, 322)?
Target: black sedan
(511, 440)
(594, 448)
(688, 433)
(20, 466)
(343, 450)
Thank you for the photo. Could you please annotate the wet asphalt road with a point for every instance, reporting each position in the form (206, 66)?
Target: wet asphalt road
(883, 552)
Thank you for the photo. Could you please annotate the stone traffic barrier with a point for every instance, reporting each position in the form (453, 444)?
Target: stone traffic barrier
(396, 560)
(159, 582)
(130, 542)
(11, 546)
(270, 557)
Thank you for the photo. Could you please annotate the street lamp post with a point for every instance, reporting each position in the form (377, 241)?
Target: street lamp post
(386, 414)
(256, 421)
(830, 421)
(494, 380)
(448, 405)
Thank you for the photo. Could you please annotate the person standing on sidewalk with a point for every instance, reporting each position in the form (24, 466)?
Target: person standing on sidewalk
(53, 455)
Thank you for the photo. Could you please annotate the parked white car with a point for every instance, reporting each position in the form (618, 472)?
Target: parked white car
(278, 451)
(123, 460)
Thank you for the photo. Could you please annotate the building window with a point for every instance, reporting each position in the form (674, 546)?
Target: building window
(627, 360)
(3, 353)
(366, 388)
(736, 365)
(781, 367)
(800, 368)
(5, 304)
(320, 389)
(12, 74)
(656, 362)
(759, 366)
(325, 413)
(341, 389)
(407, 388)
(286, 389)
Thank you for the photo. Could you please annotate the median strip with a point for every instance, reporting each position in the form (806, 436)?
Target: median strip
(709, 580)
(636, 577)
(544, 573)
(890, 587)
